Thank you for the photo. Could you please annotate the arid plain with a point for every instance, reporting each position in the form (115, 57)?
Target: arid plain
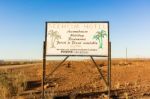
(75, 79)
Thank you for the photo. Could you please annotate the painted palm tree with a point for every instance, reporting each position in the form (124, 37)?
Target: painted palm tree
(99, 36)
(54, 36)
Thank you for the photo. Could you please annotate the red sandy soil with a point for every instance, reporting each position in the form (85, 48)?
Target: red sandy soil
(130, 80)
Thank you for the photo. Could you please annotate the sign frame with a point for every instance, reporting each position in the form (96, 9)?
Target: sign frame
(107, 81)
(46, 24)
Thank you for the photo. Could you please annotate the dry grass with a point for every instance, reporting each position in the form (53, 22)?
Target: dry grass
(5, 63)
(12, 84)
(131, 78)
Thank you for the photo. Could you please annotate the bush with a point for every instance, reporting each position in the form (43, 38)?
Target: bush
(5, 86)
(12, 84)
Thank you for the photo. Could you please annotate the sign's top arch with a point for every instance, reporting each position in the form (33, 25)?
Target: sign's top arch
(89, 38)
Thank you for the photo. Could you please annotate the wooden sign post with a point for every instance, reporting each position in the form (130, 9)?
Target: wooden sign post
(77, 39)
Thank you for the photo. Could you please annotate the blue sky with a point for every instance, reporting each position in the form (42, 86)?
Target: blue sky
(22, 24)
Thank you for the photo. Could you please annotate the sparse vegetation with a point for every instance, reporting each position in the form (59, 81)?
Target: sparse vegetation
(126, 95)
(12, 84)
(6, 63)
(77, 77)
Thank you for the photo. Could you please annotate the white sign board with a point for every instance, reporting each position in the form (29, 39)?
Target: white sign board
(75, 38)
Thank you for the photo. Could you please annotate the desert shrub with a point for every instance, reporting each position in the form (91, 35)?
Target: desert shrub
(126, 95)
(5, 86)
(11, 84)
(20, 82)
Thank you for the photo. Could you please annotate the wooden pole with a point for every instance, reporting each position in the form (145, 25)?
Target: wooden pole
(126, 55)
(109, 70)
(44, 66)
